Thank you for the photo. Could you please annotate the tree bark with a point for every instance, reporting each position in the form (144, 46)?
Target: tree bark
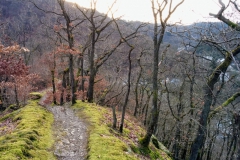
(16, 95)
(198, 143)
(64, 85)
(128, 90)
(154, 109)
(73, 88)
(54, 87)
(146, 107)
(1, 100)
(237, 123)
(83, 80)
(157, 40)
(71, 45)
(190, 125)
(114, 117)
(136, 88)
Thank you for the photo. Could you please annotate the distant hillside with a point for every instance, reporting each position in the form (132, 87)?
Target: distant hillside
(25, 18)
(107, 143)
(24, 23)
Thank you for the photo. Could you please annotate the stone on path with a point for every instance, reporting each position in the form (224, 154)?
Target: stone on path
(70, 133)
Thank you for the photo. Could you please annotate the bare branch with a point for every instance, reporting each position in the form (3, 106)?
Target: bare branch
(223, 18)
(227, 102)
(43, 9)
(169, 102)
(235, 5)
(174, 9)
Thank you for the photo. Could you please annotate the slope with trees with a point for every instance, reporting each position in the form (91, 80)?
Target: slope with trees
(181, 82)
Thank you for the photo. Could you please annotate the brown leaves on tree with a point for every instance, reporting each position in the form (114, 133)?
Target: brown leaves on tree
(15, 80)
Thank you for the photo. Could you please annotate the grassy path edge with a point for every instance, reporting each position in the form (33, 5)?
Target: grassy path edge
(31, 136)
(108, 144)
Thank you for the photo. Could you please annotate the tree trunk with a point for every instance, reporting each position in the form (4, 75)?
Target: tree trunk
(114, 117)
(146, 107)
(157, 40)
(64, 85)
(176, 146)
(201, 134)
(198, 143)
(16, 95)
(91, 67)
(128, 90)
(71, 45)
(154, 110)
(234, 148)
(231, 144)
(54, 87)
(73, 90)
(136, 89)
(136, 99)
(1, 100)
(68, 94)
(221, 152)
(237, 123)
(91, 87)
(83, 80)
(190, 125)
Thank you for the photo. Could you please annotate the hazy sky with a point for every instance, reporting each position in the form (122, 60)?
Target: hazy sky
(190, 11)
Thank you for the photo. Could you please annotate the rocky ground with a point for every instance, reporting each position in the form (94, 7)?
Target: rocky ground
(70, 134)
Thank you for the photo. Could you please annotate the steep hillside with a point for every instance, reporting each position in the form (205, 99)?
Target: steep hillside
(107, 143)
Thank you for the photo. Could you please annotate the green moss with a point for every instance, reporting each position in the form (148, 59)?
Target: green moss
(32, 137)
(233, 25)
(160, 146)
(13, 107)
(146, 151)
(102, 143)
(152, 152)
(226, 103)
(135, 149)
(107, 143)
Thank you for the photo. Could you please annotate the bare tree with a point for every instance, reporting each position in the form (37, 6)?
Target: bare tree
(198, 144)
(65, 32)
(130, 36)
(158, 8)
(98, 24)
(100, 30)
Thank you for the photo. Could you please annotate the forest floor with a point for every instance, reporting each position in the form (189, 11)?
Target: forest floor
(70, 134)
(78, 132)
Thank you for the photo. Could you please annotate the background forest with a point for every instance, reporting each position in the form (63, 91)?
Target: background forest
(182, 82)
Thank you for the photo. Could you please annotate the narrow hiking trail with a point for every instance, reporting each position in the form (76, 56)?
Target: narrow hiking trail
(70, 134)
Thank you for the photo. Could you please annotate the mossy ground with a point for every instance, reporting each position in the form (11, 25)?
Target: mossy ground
(107, 143)
(27, 134)
(30, 135)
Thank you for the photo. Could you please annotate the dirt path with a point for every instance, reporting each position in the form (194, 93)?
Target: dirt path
(70, 134)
